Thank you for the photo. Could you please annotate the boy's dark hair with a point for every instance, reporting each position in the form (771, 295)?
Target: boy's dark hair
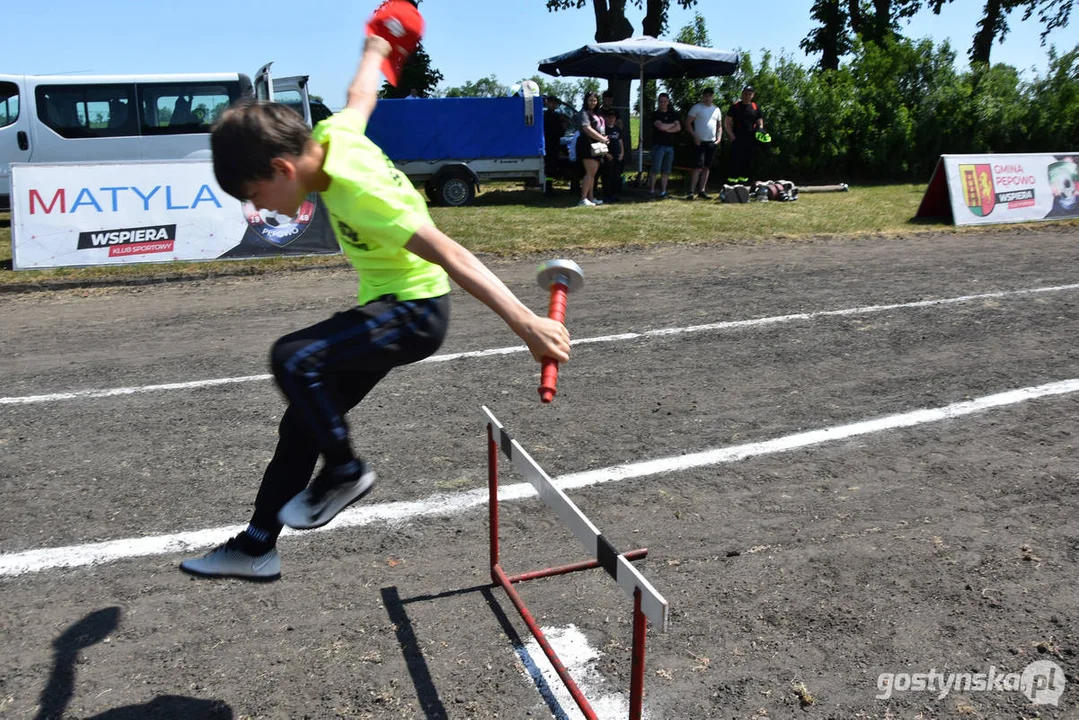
(248, 136)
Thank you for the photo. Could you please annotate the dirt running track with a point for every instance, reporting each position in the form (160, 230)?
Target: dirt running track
(795, 577)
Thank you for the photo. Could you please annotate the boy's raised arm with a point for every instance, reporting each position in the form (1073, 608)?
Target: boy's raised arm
(363, 90)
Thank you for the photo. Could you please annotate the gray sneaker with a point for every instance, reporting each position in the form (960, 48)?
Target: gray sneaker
(229, 560)
(328, 494)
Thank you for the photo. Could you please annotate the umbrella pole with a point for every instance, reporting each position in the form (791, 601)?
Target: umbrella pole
(640, 127)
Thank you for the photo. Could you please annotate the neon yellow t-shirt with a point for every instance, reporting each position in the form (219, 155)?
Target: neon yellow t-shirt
(375, 210)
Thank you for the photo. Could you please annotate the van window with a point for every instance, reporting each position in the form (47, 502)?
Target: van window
(291, 99)
(9, 103)
(180, 108)
(85, 111)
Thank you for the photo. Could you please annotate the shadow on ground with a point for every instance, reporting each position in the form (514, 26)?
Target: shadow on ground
(426, 690)
(87, 632)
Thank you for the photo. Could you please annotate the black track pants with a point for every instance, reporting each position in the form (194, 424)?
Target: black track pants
(741, 161)
(325, 370)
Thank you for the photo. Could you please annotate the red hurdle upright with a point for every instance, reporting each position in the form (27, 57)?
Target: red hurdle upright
(646, 601)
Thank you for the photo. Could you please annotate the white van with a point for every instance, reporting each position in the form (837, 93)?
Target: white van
(83, 118)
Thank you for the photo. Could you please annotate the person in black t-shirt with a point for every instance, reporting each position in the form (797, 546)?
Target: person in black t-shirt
(614, 162)
(744, 120)
(552, 138)
(666, 127)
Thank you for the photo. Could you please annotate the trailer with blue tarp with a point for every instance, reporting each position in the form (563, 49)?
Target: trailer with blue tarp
(452, 144)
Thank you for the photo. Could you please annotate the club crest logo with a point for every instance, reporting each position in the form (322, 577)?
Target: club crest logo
(978, 191)
(279, 229)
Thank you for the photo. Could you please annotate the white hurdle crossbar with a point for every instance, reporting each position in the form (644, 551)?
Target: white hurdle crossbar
(653, 605)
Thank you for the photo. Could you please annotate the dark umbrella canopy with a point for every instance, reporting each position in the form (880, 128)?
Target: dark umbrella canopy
(641, 58)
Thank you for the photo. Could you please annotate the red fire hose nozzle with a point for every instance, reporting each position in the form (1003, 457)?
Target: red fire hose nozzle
(561, 277)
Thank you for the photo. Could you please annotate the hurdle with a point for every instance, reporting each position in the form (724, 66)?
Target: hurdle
(647, 603)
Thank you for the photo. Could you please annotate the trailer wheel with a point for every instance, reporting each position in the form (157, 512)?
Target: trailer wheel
(455, 190)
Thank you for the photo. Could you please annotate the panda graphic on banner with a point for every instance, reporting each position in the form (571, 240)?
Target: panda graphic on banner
(1063, 178)
(270, 233)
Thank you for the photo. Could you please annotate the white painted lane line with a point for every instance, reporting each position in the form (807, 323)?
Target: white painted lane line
(580, 659)
(621, 337)
(112, 392)
(450, 504)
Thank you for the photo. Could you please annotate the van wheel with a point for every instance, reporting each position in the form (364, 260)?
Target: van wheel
(456, 190)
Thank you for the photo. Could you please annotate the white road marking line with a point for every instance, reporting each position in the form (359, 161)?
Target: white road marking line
(112, 392)
(579, 657)
(29, 561)
(662, 332)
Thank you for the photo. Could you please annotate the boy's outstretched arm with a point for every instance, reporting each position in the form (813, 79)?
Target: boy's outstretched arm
(363, 90)
(544, 337)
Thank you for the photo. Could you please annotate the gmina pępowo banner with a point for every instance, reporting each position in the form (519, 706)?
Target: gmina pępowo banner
(986, 189)
(72, 215)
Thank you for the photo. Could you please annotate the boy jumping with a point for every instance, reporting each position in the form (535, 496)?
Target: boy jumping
(265, 153)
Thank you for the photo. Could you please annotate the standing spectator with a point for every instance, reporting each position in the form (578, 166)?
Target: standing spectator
(614, 163)
(552, 139)
(591, 126)
(607, 102)
(744, 120)
(667, 126)
(704, 120)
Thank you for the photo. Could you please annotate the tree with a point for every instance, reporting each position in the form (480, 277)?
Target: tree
(685, 92)
(417, 74)
(993, 27)
(586, 85)
(655, 18)
(612, 24)
(1052, 104)
(484, 87)
(876, 20)
(564, 90)
(873, 21)
(832, 37)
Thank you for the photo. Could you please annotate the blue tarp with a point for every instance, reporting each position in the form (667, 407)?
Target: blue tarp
(456, 128)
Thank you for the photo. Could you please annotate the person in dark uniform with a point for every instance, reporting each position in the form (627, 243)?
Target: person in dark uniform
(744, 120)
(552, 139)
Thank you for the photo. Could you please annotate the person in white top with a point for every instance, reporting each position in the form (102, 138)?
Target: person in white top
(703, 122)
